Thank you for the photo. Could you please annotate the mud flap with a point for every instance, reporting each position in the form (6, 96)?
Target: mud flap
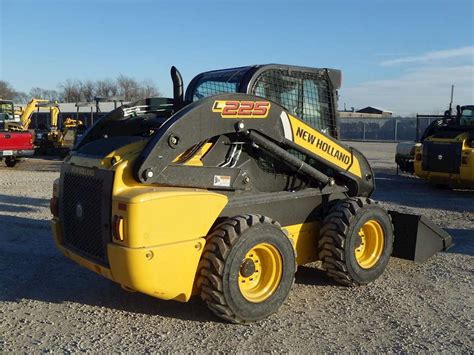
(417, 238)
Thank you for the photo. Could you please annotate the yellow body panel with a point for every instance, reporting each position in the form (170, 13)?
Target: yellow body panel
(169, 271)
(166, 272)
(465, 178)
(164, 230)
(165, 215)
(304, 238)
(319, 144)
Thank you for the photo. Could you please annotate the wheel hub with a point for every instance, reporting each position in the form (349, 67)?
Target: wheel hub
(247, 268)
(370, 248)
(260, 272)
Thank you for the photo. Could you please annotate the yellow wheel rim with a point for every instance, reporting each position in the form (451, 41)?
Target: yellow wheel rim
(260, 272)
(370, 249)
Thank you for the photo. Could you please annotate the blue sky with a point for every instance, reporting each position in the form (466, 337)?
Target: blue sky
(402, 55)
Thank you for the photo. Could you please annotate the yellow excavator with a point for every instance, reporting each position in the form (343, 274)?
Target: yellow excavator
(55, 140)
(24, 115)
(223, 192)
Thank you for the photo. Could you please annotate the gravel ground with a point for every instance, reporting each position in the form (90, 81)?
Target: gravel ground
(48, 303)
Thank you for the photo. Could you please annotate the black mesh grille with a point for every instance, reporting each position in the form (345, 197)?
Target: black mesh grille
(85, 208)
(442, 158)
(305, 95)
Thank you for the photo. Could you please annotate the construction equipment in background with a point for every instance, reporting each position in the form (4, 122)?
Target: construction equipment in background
(224, 191)
(445, 155)
(16, 141)
(25, 114)
(58, 137)
(405, 151)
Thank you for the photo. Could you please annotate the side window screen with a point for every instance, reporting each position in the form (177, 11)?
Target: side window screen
(219, 82)
(311, 105)
(209, 88)
(306, 95)
(284, 89)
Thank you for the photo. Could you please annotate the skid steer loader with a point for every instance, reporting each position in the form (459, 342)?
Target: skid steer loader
(445, 156)
(224, 191)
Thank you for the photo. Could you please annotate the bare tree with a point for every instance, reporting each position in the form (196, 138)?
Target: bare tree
(45, 94)
(6, 91)
(106, 88)
(128, 87)
(149, 89)
(21, 98)
(88, 90)
(71, 90)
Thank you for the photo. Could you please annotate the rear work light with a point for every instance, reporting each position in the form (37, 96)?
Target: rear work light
(53, 203)
(117, 228)
(53, 206)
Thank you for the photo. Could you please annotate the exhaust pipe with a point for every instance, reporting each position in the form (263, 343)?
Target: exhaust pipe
(178, 93)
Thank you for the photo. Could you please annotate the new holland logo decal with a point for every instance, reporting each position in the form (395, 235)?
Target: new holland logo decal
(241, 109)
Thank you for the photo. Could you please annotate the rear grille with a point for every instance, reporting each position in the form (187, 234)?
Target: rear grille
(442, 157)
(85, 210)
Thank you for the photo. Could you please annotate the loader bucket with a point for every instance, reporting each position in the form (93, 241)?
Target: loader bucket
(417, 238)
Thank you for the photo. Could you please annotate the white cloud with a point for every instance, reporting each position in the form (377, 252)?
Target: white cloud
(425, 90)
(433, 56)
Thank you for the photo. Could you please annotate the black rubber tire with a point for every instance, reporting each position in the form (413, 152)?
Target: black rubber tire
(339, 238)
(220, 265)
(10, 162)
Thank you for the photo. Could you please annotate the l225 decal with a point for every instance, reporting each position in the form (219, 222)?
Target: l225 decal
(241, 109)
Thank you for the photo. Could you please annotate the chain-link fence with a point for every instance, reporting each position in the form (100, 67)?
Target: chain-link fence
(360, 128)
(385, 129)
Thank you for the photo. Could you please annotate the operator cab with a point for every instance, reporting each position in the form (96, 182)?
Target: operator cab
(305, 92)
(308, 93)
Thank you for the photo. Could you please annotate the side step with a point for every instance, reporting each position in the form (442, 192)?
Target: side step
(417, 238)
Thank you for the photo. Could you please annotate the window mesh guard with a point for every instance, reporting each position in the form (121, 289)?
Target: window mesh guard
(305, 95)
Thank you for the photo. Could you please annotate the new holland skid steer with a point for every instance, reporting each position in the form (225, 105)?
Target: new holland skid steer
(223, 191)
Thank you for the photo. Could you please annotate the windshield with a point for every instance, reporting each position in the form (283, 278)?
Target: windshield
(467, 117)
(218, 82)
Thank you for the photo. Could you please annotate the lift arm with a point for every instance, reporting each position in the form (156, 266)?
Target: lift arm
(262, 123)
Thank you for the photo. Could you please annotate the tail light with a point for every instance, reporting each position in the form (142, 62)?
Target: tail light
(117, 228)
(418, 157)
(53, 206)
